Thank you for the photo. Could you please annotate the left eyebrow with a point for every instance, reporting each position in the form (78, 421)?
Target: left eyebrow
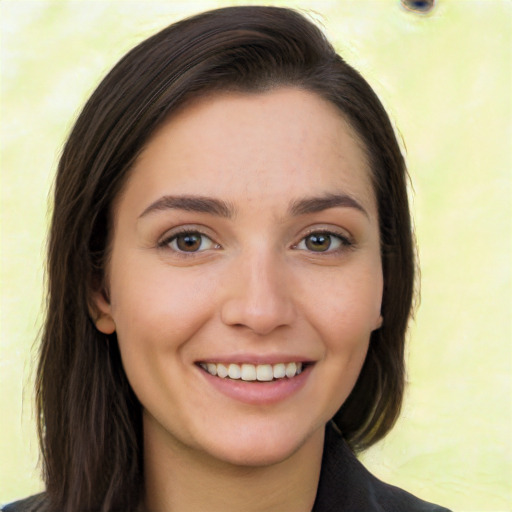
(320, 203)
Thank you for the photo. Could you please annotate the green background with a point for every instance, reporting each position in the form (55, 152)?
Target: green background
(446, 80)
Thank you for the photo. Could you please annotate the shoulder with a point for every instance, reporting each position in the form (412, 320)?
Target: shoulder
(345, 484)
(36, 503)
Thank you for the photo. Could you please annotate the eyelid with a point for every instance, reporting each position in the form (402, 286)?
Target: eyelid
(346, 240)
(170, 235)
(330, 230)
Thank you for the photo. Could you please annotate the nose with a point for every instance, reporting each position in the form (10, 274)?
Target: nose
(257, 294)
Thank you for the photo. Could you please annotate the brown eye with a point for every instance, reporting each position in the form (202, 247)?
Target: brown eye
(190, 242)
(322, 242)
(318, 242)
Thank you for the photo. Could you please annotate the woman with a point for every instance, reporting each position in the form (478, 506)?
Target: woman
(230, 279)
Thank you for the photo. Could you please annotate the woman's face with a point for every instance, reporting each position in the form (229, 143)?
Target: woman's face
(246, 242)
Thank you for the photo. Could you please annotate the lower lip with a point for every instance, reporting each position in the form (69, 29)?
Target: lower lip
(259, 393)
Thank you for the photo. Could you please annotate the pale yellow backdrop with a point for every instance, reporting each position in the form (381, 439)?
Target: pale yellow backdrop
(446, 81)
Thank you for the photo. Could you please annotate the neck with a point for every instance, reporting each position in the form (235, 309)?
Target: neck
(180, 479)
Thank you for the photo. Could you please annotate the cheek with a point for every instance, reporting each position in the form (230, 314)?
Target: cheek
(156, 301)
(344, 313)
(157, 312)
(348, 306)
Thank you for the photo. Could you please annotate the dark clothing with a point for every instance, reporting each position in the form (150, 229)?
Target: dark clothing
(32, 504)
(345, 486)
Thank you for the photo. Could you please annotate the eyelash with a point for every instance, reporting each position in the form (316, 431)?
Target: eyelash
(168, 241)
(343, 241)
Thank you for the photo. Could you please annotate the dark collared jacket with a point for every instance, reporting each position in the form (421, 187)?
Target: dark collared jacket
(345, 486)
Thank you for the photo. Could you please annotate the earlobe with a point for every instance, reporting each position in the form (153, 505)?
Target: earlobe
(100, 312)
(379, 323)
(105, 324)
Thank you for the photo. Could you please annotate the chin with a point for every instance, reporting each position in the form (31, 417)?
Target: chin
(259, 446)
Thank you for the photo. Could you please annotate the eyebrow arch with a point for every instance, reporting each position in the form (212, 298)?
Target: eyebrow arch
(320, 203)
(199, 204)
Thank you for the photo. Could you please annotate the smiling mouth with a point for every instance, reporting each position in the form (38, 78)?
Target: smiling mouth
(254, 372)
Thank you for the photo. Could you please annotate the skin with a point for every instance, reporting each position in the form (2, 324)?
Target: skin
(256, 287)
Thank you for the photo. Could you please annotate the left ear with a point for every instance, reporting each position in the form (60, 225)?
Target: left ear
(101, 312)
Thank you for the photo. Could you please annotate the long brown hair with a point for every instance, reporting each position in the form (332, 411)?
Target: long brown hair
(89, 419)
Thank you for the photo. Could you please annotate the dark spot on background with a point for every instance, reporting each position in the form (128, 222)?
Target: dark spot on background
(419, 6)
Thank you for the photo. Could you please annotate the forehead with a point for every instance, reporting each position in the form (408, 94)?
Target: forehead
(253, 147)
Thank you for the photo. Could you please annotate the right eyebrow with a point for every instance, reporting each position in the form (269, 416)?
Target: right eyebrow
(189, 203)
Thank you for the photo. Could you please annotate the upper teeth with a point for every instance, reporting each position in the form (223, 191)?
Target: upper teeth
(260, 372)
